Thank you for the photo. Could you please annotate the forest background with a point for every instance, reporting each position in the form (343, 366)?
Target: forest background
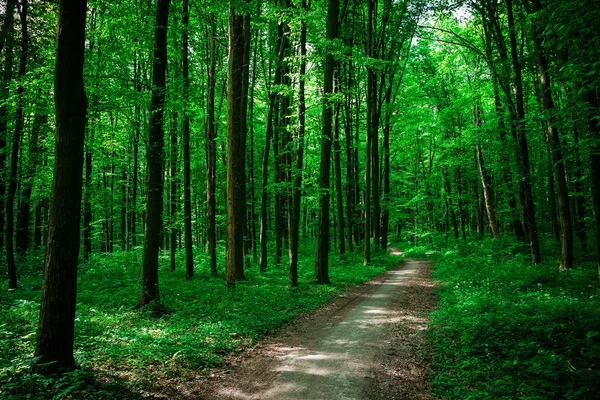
(266, 141)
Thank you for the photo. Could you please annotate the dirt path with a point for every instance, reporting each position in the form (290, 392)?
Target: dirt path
(368, 344)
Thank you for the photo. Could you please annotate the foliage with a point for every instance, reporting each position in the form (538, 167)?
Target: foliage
(509, 330)
(131, 348)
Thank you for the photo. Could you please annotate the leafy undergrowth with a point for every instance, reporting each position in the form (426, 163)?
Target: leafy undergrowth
(122, 352)
(507, 329)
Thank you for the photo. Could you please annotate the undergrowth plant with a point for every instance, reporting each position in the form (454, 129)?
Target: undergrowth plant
(507, 329)
(121, 350)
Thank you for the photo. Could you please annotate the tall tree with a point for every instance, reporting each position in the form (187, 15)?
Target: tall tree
(14, 157)
(155, 155)
(211, 152)
(54, 347)
(236, 148)
(562, 190)
(187, 173)
(7, 45)
(322, 262)
(294, 214)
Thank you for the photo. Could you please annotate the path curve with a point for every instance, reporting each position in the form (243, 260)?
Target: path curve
(369, 345)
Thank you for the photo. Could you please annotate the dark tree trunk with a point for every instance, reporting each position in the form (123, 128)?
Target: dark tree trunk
(523, 150)
(211, 153)
(294, 214)
(14, 158)
(187, 172)
(7, 35)
(322, 262)
(87, 203)
(173, 194)
(23, 217)
(562, 190)
(236, 150)
(281, 51)
(580, 230)
(155, 155)
(54, 348)
(337, 166)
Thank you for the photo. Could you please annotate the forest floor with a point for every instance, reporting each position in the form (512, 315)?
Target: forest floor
(369, 343)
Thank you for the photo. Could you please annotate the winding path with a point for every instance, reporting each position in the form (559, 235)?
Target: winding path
(369, 345)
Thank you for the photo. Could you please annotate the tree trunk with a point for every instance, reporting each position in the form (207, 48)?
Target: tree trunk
(22, 243)
(211, 153)
(55, 335)
(337, 166)
(155, 155)
(14, 158)
(236, 151)
(282, 44)
(9, 21)
(173, 194)
(187, 172)
(322, 262)
(562, 190)
(294, 214)
(523, 150)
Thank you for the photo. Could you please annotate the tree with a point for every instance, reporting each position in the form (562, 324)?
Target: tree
(54, 348)
(236, 149)
(187, 173)
(322, 262)
(155, 155)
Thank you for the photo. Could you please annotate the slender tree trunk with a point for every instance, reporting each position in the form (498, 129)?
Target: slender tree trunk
(14, 158)
(22, 240)
(211, 153)
(579, 197)
(281, 50)
(294, 215)
(523, 150)
(173, 194)
(322, 262)
(8, 39)
(562, 190)
(236, 150)
(55, 335)
(337, 166)
(187, 172)
(155, 155)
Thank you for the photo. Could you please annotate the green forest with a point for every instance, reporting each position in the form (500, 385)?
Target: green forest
(181, 179)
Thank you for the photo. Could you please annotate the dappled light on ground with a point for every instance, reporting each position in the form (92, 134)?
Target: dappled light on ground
(344, 360)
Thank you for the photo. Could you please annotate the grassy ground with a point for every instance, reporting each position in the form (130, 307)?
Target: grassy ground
(122, 352)
(507, 329)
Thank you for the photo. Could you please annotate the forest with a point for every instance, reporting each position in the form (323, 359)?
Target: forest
(179, 179)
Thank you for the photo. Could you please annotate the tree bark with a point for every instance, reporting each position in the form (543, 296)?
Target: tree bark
(55, 335)
(523, 150)
(211, 153)
(322, 262)
(294, 215)
(155, 155)
(9, 21)
(14, 158)
(187, 172)
(236, 150)
(562, 190)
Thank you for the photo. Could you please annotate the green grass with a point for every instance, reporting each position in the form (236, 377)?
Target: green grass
(507, 329)
(120, 350)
